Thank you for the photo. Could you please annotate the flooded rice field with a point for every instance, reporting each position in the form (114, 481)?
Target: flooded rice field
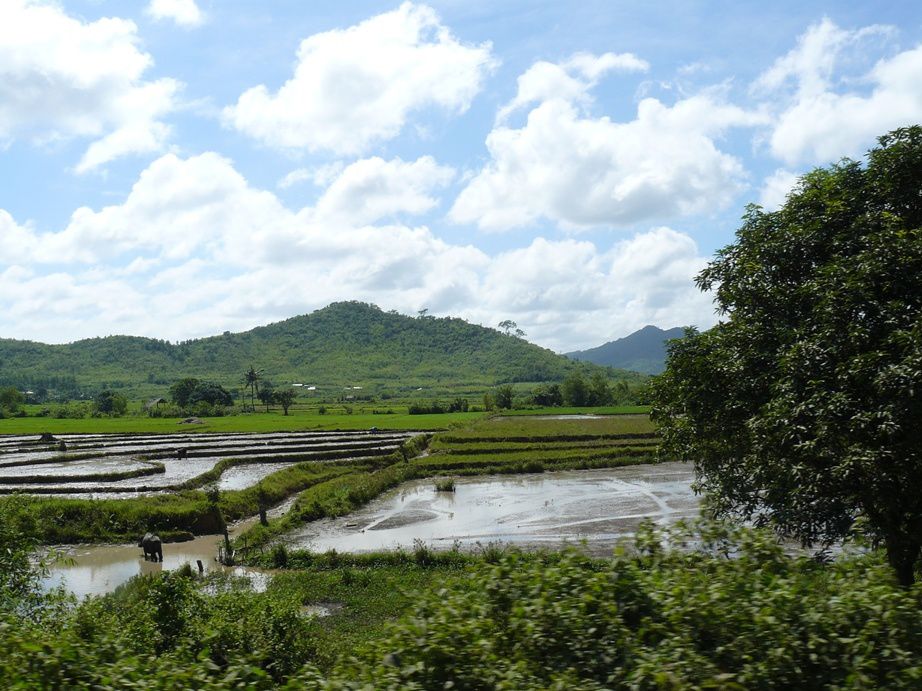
(547, 510)
(599, 507)
(123, 466)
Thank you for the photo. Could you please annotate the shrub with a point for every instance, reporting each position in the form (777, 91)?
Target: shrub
(279, 556)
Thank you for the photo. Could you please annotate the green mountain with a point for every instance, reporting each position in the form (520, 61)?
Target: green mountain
(642, 351)
(343, 345)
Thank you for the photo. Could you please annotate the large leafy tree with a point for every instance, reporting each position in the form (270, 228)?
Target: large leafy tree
(802, 408)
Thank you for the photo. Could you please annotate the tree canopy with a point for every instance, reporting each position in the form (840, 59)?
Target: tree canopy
(110, 403)
(801, 408)
(189, 391)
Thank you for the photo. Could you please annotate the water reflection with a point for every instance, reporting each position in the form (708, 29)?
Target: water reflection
(547, 509)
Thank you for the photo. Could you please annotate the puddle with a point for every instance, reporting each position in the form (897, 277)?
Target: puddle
(539, 510)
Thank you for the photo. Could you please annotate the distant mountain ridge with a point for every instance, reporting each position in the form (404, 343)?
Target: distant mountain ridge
(343, 344)
(642, 351)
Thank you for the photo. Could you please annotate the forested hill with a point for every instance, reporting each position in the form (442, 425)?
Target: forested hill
(641, 351)
(344, 344)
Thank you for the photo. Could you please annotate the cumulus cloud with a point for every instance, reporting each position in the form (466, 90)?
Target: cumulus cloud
(570, 80)
(827, 108)
(371, 189)
(569, 295)
(61, 77)
(184, 12)
(357, 86)
(579, 170)
(195, 249)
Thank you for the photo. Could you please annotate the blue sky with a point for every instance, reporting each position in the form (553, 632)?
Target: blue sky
(177, 168)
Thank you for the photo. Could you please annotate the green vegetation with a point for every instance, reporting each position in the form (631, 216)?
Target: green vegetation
(189, 392)
(641, 351)
(537, 429)
(11, 401)
(299, 418)
(343, 345)
(176, 515)
(802, 406)
(653, 616)
(110, 403)
(445, 484)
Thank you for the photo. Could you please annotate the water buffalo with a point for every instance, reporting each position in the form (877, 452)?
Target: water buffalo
(153, 548)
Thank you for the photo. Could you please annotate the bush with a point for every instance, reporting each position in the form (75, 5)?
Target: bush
(279, 556)
(503, 396)
(657, 618)
(433, 408)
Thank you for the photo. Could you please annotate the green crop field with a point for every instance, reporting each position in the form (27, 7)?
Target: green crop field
(570, 410)
(298, 419)
(549, 427)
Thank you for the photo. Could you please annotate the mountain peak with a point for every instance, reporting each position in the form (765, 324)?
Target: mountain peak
(642, 351)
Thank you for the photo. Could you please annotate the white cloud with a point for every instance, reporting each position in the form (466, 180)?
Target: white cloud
(321, 175)
(372, 189)
(569, 81)
(581, 171)
(776, 189)
(61, 77)
(194, 249)
(826, 110)
(357, 86)
(184, 12)
(568, 295)
(295, 177)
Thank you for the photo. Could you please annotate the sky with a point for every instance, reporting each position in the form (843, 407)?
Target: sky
(181, 168)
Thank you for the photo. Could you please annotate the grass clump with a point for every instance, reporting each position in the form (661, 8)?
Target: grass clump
(445, 484)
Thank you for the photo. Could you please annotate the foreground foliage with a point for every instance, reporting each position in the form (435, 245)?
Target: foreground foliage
(648, 618)
(803, 405)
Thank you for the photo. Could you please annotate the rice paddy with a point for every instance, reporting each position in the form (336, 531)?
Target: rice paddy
(127, 466)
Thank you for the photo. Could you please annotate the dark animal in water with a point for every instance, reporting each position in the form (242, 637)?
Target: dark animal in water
(153, 548)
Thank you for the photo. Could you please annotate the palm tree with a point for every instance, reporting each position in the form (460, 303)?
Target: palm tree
(251, 381)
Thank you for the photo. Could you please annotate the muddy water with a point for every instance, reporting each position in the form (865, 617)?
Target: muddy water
(99, 569)
(548, 509)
